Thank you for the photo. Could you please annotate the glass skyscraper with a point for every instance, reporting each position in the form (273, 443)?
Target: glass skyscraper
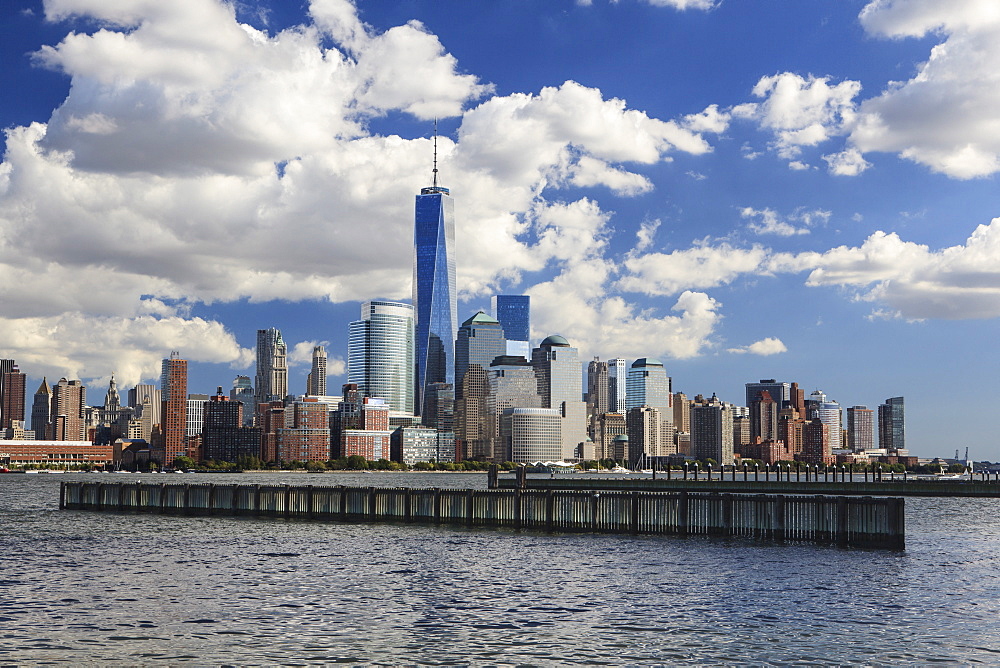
(380, 353)
(647, 384)
(434, 291)
(891, 432)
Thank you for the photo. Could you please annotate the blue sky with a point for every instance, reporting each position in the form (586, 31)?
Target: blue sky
(746, 190)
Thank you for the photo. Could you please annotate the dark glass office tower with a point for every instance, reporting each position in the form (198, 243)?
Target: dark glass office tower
(514, 314)
(434, 292)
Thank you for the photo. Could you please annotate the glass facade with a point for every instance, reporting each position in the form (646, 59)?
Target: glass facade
(647, 384)
(617, 395)
(480, 341)
(434, 291)
(514, 314)
(380, 354)
(532, 435)
(891, 434)
(560, 384)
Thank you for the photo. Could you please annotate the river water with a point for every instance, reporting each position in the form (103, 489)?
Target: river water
(85, 587)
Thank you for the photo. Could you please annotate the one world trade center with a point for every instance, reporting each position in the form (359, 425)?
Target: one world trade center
(434, 292)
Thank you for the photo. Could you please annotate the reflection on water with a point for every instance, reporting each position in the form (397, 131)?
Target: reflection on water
(103, 588)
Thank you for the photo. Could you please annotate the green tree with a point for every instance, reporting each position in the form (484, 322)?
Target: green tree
(184, 462)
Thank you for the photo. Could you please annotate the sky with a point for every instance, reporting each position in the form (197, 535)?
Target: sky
(804, 191)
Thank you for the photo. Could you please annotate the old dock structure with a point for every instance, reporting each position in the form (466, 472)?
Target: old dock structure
(845, 521)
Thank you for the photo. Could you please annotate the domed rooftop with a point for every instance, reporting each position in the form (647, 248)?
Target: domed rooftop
(620, 437)
(554, 340)
(646, 361)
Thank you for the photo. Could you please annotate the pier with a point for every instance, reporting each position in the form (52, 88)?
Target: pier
(845, 521)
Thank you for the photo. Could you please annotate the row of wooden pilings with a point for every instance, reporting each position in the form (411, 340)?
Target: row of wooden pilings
(859, 521)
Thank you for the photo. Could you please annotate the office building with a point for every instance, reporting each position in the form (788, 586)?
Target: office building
(414, 444)
(316, 381)
(480, 341)
(650, 434)
(712, 430)
(607, 427)
(271, 382)
(647, 384)
(147, 394)
(41, 409)
(781, 393)
(617, 385)
(243, 393)
(514, 314)
(860, 428)
(380, 354)
(173, 391)
(560, 385)
(511, 384)
(224, 438)
(68, 413)
(532, 435)
(891, 432)
(763, 422)
(12, 396)
(827, 410)
(597, 394)
(435, 297)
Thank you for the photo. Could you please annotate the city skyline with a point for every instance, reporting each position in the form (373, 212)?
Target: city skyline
(737, 190)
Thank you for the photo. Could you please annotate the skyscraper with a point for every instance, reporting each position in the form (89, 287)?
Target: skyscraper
(173, 390)
(434, 293)
(380, 354)
(272, 369)
(560, 384)
(712, 430)
(514, 314)
(780, 392)
(12, 399)
(617, 379)
(860, 428)
(317, 376)
(512, 384)
(480, 341)
(827, 410)
(67, 419)
(891, 433)
(41, 410)
(647, 384)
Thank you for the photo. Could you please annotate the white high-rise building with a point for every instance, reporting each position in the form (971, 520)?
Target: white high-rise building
(617, 385)
(380, 354)
(316, 387)
(828, 411)
(560, 384)
(532, 435)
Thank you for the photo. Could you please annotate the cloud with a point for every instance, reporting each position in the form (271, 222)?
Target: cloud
(768, 221)
(700, 267)
(800, 111)
(910, 279)
(646, 234)
(197, 159)
(849, 162)
(764, 347)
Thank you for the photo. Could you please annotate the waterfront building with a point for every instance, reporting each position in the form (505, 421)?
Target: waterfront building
(137, 399)
(305, 436)
(597, 394)
(13, 386)
(617, 385)
(316, 381)
(68, 413)
(560, 385)
(414, 444)
(366, 432)
(480, 341)
(54, 453)
(271, 382)
(41, 409)
(827, 410)
(780, 392)
(224, 438)
(243, 392)
(816, 443)
(532, 435)
(511, 383)
(435, 296)
(763, 417)
(380, 354)
(195, 415)
(649, 433)
(173, 390)
(514, 314)
(860, 428)
(891, 432)
(607, 427)
(712, 430)
(647, 384)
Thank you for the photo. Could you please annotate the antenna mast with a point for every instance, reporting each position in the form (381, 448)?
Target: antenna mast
(435, 170)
